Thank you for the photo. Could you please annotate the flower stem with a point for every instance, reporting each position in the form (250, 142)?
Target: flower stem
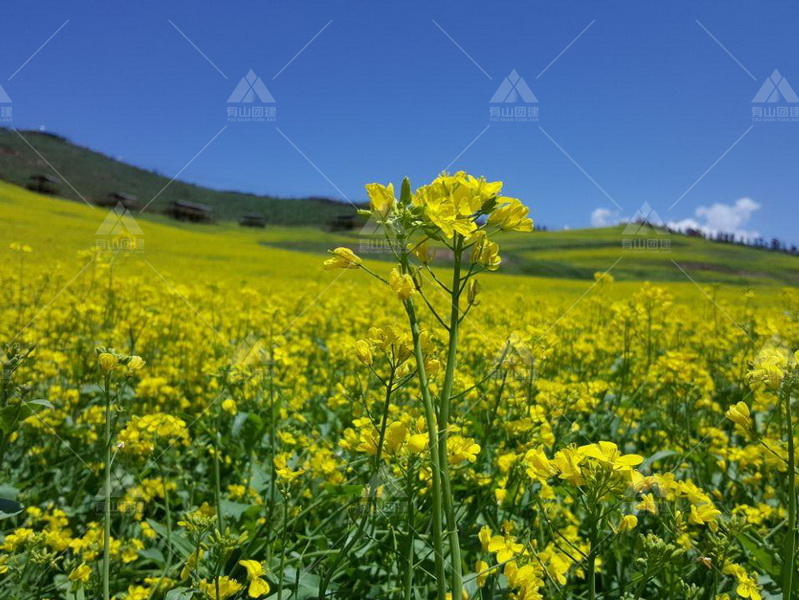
(435, 463)
(107, 503)
(790, 538)
(446, 395)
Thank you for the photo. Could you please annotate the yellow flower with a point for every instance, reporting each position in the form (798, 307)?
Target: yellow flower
(257, 585)
(81, 573)
(227, 587)
(401, 284)
(739, 414)
(505, 547)
(628, 523)
(417, 443)
(108, 362)
(485, 252)
(703, 514)
(343, 258)
(481, 569)
(538, 465)
(395, 435)
(608, 453)
(473, 291)
(461, 449)
(647, 503)
(381, 197)
(136, 363)
(511, 215)
(770, 366)
(363, 352)
(485, 537)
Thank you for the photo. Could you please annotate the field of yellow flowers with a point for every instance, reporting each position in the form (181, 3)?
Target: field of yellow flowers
(195, 415)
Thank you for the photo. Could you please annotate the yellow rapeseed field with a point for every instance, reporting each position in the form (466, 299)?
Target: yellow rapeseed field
(189, 413)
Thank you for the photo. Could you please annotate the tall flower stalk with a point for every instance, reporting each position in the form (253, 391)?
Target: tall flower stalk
(459, 213)
(109, 361)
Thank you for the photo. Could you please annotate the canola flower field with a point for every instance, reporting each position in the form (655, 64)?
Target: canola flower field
(193, 415)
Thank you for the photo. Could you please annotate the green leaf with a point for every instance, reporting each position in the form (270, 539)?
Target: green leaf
(179, 541)
(233, 509)
(179, 593)
(761, 556)
(9, 508)
(11, 415)
(656, 457)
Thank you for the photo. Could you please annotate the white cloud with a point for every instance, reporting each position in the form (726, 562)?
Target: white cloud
(603, 217)
(722, 218)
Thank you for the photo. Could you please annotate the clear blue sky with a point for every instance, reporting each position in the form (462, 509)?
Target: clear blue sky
(645, 101)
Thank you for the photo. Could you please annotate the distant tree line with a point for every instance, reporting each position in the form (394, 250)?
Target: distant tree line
(774, 245)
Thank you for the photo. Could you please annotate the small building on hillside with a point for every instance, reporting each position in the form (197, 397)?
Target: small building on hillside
(44, 184)
(342, 223)
(253, 220)
(129, 201)
(190, 211)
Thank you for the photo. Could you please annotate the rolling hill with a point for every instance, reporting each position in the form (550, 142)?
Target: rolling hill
(94, 175)
(59, 228)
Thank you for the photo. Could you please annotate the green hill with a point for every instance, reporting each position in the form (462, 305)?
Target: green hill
(294, 224)
(578, 254)
(95, 175)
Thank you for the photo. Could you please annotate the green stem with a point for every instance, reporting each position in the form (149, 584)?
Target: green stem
(283, 545)
(446, 395)
(107, 503)
(325, 580)
(790, 538)
(217, 478)
(408, 584)
(435, 464)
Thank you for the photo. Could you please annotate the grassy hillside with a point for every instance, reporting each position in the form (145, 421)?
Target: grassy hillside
(94, 175)
(550, 262)
(578, 254)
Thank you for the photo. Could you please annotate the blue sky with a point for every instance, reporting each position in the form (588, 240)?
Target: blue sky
(645, 101)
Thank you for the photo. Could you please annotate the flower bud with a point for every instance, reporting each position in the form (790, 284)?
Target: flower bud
(363, 352)
(136, 363)
(472, 291)
(108, 362)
